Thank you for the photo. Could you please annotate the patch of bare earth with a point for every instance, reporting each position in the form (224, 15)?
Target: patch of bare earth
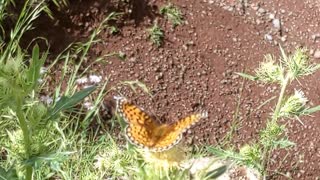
(195, 68)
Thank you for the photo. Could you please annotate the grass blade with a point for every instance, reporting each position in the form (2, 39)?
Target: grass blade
(11, 174)
(311, 110)
(66, 102)
(216, 172)
(247, 76)
(36, 63)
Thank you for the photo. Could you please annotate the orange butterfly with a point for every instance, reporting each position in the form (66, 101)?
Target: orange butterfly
(145, 132)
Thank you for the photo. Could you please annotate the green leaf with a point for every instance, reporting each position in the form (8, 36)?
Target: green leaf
(311, 110)
(66, 102)
(248, 76)
(216, 172)
(284, 55)
(36, 63)
(50, 157)
(11, 174)
(283, 143)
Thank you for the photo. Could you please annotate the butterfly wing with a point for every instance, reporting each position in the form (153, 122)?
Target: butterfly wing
(140, 125)
(172, 134)
(145, 132)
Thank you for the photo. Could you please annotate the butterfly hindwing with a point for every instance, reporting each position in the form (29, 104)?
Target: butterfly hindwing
(138, 135)
(140, 125)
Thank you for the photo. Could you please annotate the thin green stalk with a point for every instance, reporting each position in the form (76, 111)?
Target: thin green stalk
(235, 119)
(85, 52)
(26, 136)
(266, 150)
(283, 89)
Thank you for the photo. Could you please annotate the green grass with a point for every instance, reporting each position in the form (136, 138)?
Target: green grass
(236, 121)
(172, 13)
(156, 35)
(36, 141)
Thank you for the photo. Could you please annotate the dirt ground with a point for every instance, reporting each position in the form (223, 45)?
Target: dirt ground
(195, 68)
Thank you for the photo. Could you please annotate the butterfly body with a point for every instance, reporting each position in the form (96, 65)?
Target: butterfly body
(145, 132)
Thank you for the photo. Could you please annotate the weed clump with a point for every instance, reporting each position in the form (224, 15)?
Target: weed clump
(173, 14)
(273, 136)
(156, 35)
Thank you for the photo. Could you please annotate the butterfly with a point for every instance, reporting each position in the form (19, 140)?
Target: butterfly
(147, 133)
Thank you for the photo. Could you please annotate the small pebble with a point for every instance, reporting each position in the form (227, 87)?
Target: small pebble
(283, 38)
(311, 52)
(261, 10)
(271, 16)
(276, 23)
(315, 36)
(317, 54)
(268, 37)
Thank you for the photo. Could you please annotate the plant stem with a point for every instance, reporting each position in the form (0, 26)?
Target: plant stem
(283, 89)
(267, 150)
(26, 136)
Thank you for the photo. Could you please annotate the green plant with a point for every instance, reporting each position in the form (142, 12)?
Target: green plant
(273, 136)
(156, 35)
(28, 144)
(3, 15)
(114, 16)
(38, 138)
(18, 81)
(172, 13)
(235, 121)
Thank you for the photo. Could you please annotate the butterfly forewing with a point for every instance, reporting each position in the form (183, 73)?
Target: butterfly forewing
(173, 133)
(185, 123)
(134, 115)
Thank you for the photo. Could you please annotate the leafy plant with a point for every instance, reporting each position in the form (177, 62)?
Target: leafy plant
(34, 141)
(18, 83)
(156, 35)
(172, 13)
(273, 136)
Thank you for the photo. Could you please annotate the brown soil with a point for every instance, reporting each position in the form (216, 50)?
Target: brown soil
(195, 68)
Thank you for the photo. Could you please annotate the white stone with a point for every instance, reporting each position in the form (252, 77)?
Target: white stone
(268, 37)
(82, 80)
(95, 78)
(271, 16)
(276, 23)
